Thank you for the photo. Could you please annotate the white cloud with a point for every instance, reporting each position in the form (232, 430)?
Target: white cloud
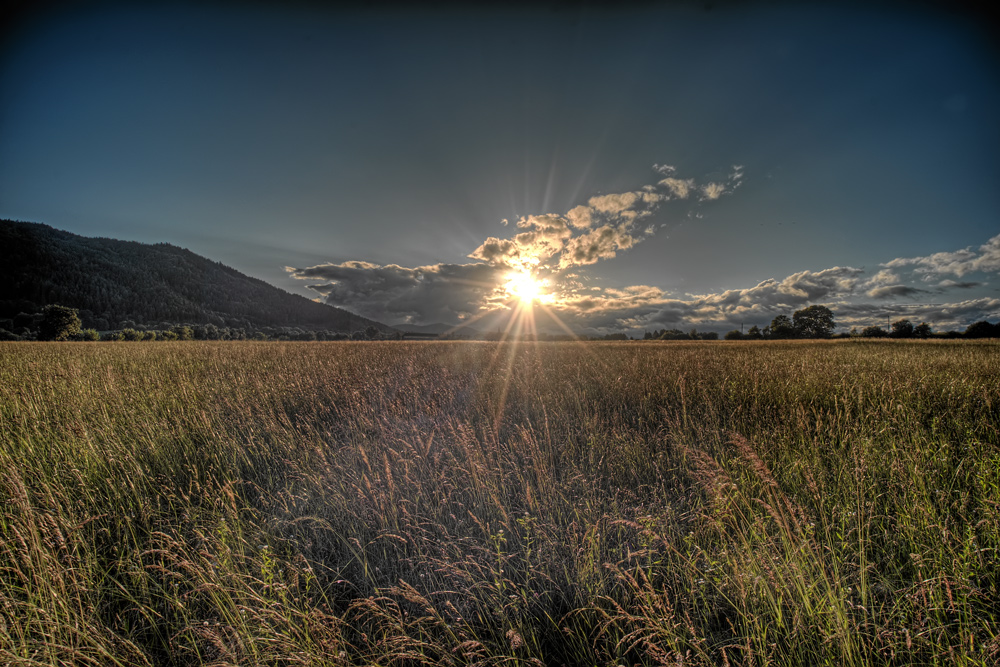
(959, 262)
(712, 191)
(601, 243)
(679, 187)
(883, 277)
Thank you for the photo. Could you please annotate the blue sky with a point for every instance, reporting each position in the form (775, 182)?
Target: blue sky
(766, 155)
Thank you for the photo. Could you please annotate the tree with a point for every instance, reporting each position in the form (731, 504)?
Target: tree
(874, 332)
(902, 329)
(922, 330)
(813, 322)
(183, 332)
(58, 323)
(983, 330)
(734, 335)
(753, 333)
(782, 327)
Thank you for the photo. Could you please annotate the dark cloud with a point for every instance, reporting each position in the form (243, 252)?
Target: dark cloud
(891, 291)
(437, 293)
(958, 284)
(941, 315)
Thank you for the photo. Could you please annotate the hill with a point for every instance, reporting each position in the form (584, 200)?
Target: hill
(112, 282)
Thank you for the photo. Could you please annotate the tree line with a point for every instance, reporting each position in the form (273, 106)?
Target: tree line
(61, 323)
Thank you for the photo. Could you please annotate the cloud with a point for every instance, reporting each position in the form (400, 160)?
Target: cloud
(392, 293)
(648, 307)
(712, 190)
(679, 187)
(956, 315)
(601, 243)
(561, 247)
(883, 277)
(959, 262)
(890, 291)
(544, 245)
(958, 284)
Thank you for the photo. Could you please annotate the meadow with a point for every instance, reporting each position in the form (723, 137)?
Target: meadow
(362, 503)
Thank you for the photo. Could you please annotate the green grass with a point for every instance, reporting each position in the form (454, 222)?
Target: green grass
(801, 503)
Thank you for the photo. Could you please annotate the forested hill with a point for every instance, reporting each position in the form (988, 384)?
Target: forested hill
(111, 281)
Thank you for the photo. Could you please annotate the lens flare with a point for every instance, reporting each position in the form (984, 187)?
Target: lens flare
(527, 288)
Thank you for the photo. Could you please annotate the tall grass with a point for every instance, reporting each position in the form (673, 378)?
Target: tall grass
(463, 503)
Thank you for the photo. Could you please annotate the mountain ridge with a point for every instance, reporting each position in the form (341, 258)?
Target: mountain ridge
(111, 282)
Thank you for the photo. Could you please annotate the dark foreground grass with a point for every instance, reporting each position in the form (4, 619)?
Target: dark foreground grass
(453, 504)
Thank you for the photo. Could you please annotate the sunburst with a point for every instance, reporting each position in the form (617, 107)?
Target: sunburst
(527, 289)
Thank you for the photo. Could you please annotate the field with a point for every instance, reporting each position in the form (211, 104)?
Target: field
(797, 503)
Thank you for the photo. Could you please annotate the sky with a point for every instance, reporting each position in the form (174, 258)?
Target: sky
(652, 166)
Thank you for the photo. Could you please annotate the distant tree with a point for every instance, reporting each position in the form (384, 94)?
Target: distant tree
(58, 323)
(754, 333)
(735, 334)
(922, 330)
(983, 330)
(813, 322)
(901, 329)
(708, 335)
(131, 334)
(8, 335)
(873, 332)
(674, 334)
(782, 327)
(372, 332)
(112, 335)
(88, 335)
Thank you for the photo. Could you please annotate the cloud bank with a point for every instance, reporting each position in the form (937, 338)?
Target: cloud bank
(559, 248)
(548, 246)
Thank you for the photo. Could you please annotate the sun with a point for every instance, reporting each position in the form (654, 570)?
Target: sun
(527, 288)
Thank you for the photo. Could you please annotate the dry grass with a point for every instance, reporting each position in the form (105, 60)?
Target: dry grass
(463, 503)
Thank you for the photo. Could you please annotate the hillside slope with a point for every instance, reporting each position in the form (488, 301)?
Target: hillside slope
(112, 281)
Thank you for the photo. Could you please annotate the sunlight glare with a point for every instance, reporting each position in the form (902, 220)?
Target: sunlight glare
(527, 288)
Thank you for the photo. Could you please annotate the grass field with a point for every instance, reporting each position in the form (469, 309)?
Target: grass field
(798, 503)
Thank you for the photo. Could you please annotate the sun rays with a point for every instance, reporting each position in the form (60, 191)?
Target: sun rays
(528, 289)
